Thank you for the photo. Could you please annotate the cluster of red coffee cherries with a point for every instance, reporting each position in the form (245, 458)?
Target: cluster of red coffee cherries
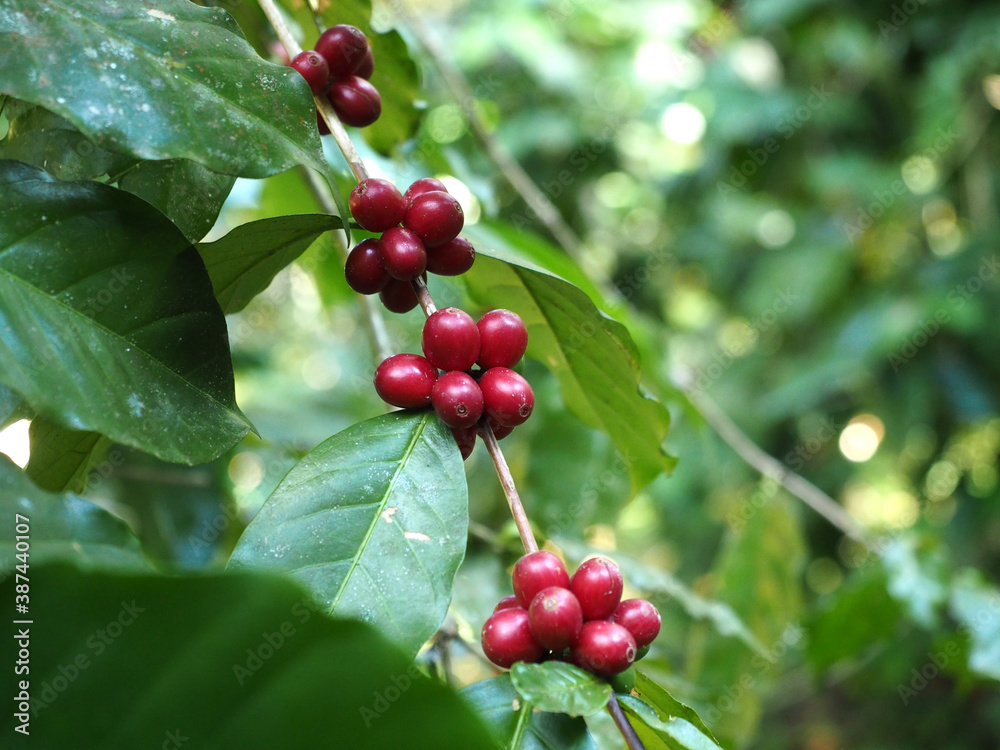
(455, 343)
(339, 68)
(428, 239)
(581, 620)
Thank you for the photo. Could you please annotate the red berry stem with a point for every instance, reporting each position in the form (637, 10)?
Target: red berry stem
(632, 740)
(509, 489)
(423, 296)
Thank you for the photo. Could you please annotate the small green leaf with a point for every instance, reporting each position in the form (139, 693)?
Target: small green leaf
(124, 72)
(675, 733)
(373, 522)
(60, 458)
(61, 527)
(125, 339)
(245, 261)
(592, 355)
(560, 688)
(187, 193)
(517, 726)
(235, 661)
(976, 605)
(666, 706)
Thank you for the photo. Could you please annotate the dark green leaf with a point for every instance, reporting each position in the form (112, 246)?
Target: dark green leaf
(61, 527)
(174, 81)
(125, 339)
(976, 605)
(46, 140)
(60, 458)
(666, 706)
(234, 661)
(592, 355)
(560, 688)
(11, 406)
(373, 522)
(190, 195)
(675, 733)
(245, 261)
(517, 726)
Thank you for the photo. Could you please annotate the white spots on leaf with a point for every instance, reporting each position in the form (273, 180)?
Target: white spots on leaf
(163, 16)
(388, 513)
(416, 536)
(90, 52)
(136, 405)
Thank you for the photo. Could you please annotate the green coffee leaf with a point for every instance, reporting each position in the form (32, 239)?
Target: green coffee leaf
(560, 688)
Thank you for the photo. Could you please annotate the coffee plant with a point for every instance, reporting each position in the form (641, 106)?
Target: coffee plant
(348, 613)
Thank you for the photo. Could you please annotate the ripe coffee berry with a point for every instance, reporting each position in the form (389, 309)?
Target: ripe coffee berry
(452, 258)
(436, 217)
(537, 571)
(376, 204)
(457, 399)
(499, 431)
(421, 186)
(556, 618)
(402, 254)
(503, 339)
(465, 438)
(343, 47)
(398, 296)
(598, 585)
(507, 638)
(507, 396)
(405, 380)
(367, 66)
(355, 101)
(324, 129)
(640, 618)
(604, 648)
(450, 339)
(314, 69)
(508, 602)
(364, 270)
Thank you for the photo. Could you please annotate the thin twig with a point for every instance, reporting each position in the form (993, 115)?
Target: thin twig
(371, 312)
(770, 467)
(621, 721)
(424, 296)
(538, 201)
(509, 489)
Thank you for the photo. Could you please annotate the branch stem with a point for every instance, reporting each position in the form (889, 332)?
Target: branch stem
(632, 740)
(509, 489)
(424, 296)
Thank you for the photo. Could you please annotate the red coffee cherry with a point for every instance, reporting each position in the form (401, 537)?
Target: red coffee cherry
(503, 339)
(465, 438)
(640, 618)
(367, 65)
(556, 618)
(508, 602)
(376, 204)
(324, 129)
(405, 380)
(436, 217)
(604, 648)
(507, 396)
(452, 258)
(537, 571)
(403, 255)
(314, 69)
(421, 186)
(507, 638)
(457, 399)
(343, 47)
(598, 585)
(355, 101)
(398, 296)
(450, 339)
(364, 270)
(499, 431)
